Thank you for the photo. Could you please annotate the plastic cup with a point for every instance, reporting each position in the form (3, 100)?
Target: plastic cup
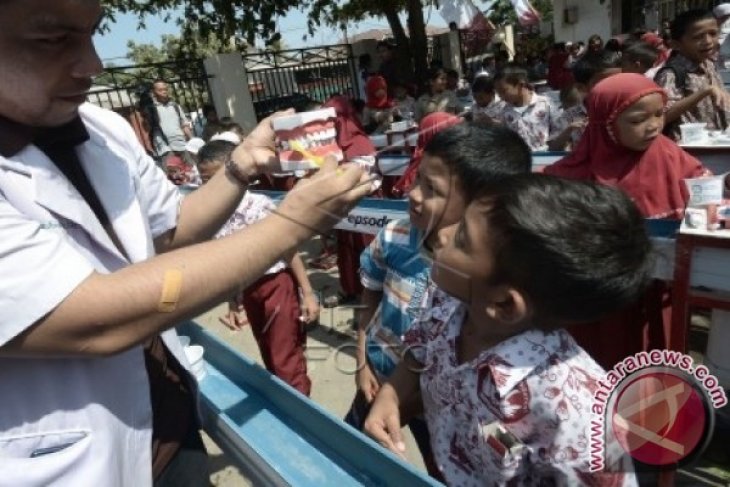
(693, 133)
(194, 354)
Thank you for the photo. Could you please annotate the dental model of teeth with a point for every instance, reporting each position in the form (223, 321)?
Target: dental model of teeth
(306, 139)
(322, 138)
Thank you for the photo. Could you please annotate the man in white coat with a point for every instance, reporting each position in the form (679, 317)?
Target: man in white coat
(99, 259)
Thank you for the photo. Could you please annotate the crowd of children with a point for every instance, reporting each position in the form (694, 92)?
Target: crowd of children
(495, 308)
(475, 314)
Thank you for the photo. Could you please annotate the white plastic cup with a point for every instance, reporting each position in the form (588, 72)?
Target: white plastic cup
(705, 191)
(399, 126)
(194, 354)
(693, 133)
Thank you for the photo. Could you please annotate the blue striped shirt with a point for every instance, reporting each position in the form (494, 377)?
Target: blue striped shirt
(396, 265)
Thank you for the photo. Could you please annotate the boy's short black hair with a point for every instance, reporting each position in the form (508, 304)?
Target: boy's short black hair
(612, 45)
(452, 73)
(594, 63)
(215, 151)
(479, 155)
(684, 21)
(642, 53)
(577, 250)
(483, 84)
(513, 74)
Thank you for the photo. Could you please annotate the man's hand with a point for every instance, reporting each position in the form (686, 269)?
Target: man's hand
(234, 318)
(720, 97)
(367, 382)
(383, 422)
(318, 203)
(257, 153)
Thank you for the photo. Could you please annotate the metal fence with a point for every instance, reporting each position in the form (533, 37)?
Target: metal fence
(118, 88)
(298, 77)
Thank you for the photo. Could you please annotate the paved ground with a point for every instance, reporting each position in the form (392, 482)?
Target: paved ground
(334, 389)
(331, 388)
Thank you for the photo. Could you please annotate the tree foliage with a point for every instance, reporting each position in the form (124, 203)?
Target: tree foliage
(237, 24)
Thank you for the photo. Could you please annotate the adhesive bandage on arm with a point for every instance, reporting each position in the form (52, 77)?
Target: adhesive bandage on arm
(171, 288)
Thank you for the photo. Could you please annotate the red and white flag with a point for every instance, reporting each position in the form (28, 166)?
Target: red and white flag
(468, 18)
(526, 13)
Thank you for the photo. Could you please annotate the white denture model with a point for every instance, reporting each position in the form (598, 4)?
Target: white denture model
(305, 139)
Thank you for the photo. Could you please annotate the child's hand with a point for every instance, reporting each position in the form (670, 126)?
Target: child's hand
(383, 422)
(234, 318)
(367, 382)
(720, 97)
(578, 125)
(309, 308)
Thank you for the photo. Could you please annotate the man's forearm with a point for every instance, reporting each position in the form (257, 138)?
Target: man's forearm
(203, 212)
(108, 313)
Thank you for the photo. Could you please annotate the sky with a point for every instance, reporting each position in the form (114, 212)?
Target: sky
(112, 46)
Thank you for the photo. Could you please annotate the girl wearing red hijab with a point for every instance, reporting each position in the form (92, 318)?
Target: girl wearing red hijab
(623, 146)
(378, 113)
(657, 43)
(431, 124)
(355, 143)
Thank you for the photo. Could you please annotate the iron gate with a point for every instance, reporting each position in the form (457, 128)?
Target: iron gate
(119, 88)
(299, 77)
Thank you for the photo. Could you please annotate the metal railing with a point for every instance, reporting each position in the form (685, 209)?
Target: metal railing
(297, 77)
(118, 87)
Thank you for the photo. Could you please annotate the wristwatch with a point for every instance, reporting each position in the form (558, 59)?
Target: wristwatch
(233, 169)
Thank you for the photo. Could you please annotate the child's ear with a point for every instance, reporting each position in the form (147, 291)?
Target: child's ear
(507, 305)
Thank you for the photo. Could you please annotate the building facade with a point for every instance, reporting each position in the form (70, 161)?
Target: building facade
(576, 20)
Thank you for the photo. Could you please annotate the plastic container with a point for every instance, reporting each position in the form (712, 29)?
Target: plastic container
(194, 354)
(693, 133)
(400, 126)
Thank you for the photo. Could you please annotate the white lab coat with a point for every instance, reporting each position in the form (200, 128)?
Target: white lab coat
(50, 241)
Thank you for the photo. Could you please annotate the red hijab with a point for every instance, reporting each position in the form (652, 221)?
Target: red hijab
(430, 125)
(658, 43)
(373, 85)
(652, 178)
(351, 137)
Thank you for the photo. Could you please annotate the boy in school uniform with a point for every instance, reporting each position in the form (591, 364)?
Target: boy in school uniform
(272, 303)
(456, 163)
(587, 72)
(695, 90)
(487, 105)
(531, 115)
(507, 392)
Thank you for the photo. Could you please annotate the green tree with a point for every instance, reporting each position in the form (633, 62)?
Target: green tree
(238, 23)
(412, 47)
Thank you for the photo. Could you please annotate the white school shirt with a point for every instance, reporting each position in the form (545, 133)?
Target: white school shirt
(97, 409)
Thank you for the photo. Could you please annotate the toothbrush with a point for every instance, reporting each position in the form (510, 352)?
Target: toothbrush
(298, 147)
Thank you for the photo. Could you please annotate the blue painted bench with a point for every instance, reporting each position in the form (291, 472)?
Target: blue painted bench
(276, 436)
